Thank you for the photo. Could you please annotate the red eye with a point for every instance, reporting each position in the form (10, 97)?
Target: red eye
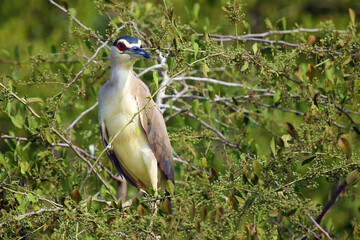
(121, 46)
(141, 46)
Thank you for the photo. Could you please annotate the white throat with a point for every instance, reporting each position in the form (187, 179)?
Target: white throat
(121, 70)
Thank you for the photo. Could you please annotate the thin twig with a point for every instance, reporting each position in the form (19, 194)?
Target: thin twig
(35, 213)
(81, 115)
(318, 226)
(91, 58)
(78, 22)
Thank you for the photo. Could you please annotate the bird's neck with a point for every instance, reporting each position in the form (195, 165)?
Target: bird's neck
(120, 75)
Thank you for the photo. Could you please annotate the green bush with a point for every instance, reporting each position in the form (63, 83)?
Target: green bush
(264, 127)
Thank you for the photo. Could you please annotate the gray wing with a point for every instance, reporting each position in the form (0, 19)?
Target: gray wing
(154, 126)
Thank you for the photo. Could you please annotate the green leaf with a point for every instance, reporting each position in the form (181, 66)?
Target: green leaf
(195, 105)
(171, 106)
(88, 203)
(48, 136)
(283, 21)
(352, 16)
(203, 163)
(352, 176)
(308, 160)
(344, 144)
(272, 146)
(196, 49)
(245, 66)
(205, 69)
(137, 130)
(277, 95)
(255, 48)
(194, 37)
(167, 206)
(257, 167)
(207, 107)
(24, 167)
(156, 79)
(274, 213)
(16, 122)
(170, 187)
(311, 71)
(196, 9)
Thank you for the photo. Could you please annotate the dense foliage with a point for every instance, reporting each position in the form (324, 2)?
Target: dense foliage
(264, 127)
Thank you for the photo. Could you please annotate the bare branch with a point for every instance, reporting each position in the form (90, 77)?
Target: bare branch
(35, 213)
(81, 115)
(345, 111)
(77, 22)
(318, 226)
(215, 81)
(85, 160)
(91, 58)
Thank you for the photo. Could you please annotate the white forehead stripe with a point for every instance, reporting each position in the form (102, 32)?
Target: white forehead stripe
(130, 45)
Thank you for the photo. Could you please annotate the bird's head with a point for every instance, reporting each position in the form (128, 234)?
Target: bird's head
(127, 50)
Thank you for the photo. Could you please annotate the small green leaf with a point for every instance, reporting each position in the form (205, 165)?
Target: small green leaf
(88, 202)
(156, 79)
(196, 9)
(344, 144)
(272, 146)
(352, 176)
(44, 121)
(352, 16)
(257, 167)
(205, 69)
(170, 187)
(196, 49)
(277, 95)
(269, 24)
(195, 105)
(16, 122)
(137, 130)
(255, 48)
(48, 136)
(167, 206)
(308, 160)
(207, 107)
(203, 163)
(171, 106)
(311, 71)
(283, 21)
(274, 213)
(245, 66)
(194, 37)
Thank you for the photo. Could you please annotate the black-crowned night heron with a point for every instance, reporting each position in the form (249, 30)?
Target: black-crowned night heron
(144, 159)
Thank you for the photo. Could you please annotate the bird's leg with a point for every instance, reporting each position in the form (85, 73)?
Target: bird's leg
(141, 192)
